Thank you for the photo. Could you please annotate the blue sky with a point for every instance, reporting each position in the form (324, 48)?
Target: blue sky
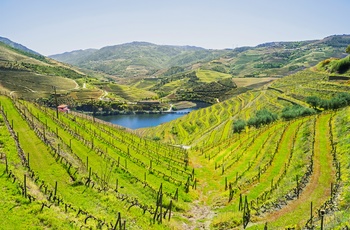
(51, 27)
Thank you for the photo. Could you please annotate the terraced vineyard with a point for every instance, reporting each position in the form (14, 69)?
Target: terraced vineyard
(288, 174)
(95, 174)
(73, 171)
(68, 170)
(213, 124)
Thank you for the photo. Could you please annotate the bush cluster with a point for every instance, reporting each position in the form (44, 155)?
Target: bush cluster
(262, 117)
(338, 101)
(295, 111)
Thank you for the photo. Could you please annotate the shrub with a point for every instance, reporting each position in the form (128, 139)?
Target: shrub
(239, 125)
(262, 117)
(313, 101)
(296, 111)
(338, 101)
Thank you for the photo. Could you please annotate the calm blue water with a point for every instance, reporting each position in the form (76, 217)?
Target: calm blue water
(136, 121)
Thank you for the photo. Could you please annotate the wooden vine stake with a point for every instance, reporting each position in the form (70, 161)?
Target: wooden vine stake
(246, 213)
(311, 215)
(118, 222)
(176, 195)
(322, 212)
(168, 210)
(87, 163)
(297, 179)
(25, 186)
(28, 160)
(55, 189)
(195, 184)
(159, 204)
(231, 192)
(7, 166)
(240, 205)
(187, 185)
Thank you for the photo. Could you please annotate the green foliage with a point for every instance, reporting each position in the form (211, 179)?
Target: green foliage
(342, 65)
(239, 125)
(333, 65)
(268, 65)
(348, 49)
(219, 68)
(296, 111)
(313, 101)
(338, 101)
(173, 70)
(53, 70)
(262, 117)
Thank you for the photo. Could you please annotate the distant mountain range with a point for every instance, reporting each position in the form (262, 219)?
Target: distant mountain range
(157, 71)
(137, 58)
(17, 46)
(147, 59)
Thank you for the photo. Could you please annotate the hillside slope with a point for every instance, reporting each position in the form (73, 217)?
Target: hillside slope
(278, 59)
(215, 123)
(274, 59)
(17, 45)
(136, 58)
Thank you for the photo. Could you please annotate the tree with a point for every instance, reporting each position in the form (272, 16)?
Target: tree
(262, 117)
(348, 49)
(239, 125)
(313, 101)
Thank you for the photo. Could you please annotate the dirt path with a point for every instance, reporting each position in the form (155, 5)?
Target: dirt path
(201, 213)
(200, 217)
(317, 190)
(76, 85)
(104, 95)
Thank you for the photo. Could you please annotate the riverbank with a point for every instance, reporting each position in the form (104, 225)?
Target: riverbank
(145, 119)
(182, 107)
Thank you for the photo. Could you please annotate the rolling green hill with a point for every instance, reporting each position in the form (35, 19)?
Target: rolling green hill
(31, 76)
(274, 59)
(136, 58)
(278, 59)
(215, 123)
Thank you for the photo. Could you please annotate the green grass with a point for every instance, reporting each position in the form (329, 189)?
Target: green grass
(128, 93)
(210, 76)
(32, 85)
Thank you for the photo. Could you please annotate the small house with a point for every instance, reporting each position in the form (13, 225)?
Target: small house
(63, 108)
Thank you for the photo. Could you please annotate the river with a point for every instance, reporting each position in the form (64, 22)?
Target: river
(136, 121)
